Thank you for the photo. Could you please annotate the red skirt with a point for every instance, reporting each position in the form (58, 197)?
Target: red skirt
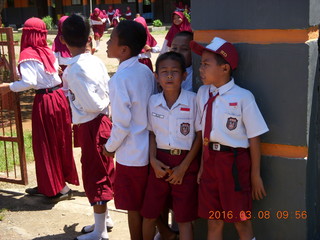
(98, 30)
(97, 170)
(52, 143)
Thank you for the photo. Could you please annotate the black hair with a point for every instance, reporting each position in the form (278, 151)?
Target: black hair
(173, 56)
(133, 35)
(76, 30)
(221, 61)
(185, 34)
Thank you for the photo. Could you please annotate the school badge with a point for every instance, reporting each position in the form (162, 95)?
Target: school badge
(232, 123)
(185, 128)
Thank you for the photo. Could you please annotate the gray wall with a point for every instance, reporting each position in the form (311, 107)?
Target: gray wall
(284, 78)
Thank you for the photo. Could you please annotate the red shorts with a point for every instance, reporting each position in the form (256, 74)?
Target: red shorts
(146, 61)
(129, 187)
(97, 170)
(184, 197)
(217, 196)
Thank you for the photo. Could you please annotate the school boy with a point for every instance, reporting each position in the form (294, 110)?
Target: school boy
(229, 175)
(175, 140)
(130, 89)
(181, 44)
(88, 93)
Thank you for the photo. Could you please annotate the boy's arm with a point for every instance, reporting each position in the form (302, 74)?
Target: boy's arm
(178, 172)
(200, 169)
(158, 167)
(258, 191)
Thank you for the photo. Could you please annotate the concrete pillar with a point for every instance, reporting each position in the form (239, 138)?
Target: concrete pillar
(277, 44)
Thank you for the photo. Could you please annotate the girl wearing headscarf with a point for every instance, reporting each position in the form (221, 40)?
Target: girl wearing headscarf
(60, 50)
(51, 120)
(151, 45)
(179, 23)
(110, 13)
(116, 18)
(98, 23)
(128, 13)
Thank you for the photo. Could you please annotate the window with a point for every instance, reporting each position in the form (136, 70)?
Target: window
(31, 3)
(76, 2)
(10, 3)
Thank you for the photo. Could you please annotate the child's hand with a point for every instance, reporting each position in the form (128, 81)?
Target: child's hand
(106, 153)
(147, 48)
(177, 175)
(159, 168)
(258, 191)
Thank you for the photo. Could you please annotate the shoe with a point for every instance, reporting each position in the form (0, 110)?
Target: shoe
(109, 224)
(61, 197)
(33, 191)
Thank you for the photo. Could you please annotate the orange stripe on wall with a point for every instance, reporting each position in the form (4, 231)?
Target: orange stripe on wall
(287, 151)
(259, 36)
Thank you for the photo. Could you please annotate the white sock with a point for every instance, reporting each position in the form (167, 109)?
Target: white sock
(97, 44)
(65, 189)
(109, 222)
(100, 230)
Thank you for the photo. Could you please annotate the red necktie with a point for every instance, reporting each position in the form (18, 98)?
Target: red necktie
(208, 125)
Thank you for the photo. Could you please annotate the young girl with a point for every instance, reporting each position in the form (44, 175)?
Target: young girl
(51, 121)
(60, 50)
(128, 13)
(175, 140)
(151, 45)
(98, 22)
(179, 23)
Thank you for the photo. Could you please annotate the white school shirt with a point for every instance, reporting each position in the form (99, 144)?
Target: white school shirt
(235, 115)
(34, 76)
(174, 128)
(86, 80)
(187, 83)
(130, 89)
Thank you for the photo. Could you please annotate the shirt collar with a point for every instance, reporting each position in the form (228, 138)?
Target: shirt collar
(189, 69)
(182, 100)
(76, 58)
(127, 63)
(224, 88)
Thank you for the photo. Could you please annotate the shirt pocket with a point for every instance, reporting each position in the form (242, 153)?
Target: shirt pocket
(185, 128)
(232, 123)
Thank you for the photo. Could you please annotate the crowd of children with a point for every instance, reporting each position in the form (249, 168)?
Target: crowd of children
(194, 153)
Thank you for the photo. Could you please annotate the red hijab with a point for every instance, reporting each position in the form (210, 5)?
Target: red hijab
(97, 13)
(150, 39)
(57, 45)
(174, 29)
(34, 45)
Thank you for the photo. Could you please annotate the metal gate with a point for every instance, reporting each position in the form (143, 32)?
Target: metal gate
(12, 154)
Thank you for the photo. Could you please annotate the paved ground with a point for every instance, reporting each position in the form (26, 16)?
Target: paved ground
(29, 217)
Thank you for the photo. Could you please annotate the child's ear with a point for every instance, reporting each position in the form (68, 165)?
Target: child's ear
(226, 68)
(89, 39)
(62, 40)
(184, 76)
(156, 76)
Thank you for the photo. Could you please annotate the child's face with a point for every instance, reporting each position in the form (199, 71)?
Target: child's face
(170, 75)
(113, 48)
(177, 20)
(181, 45)
(210, 71)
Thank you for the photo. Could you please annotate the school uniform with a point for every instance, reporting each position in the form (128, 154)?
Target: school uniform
(130, 89)
(51, 127)
(175, 130)
(226, 179)
(86, 81)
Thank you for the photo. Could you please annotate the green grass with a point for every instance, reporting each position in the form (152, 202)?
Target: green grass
(7, 149)
(2, 212)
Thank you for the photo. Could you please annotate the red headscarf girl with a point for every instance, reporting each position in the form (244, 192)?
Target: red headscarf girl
(180, 23)
(98, 22)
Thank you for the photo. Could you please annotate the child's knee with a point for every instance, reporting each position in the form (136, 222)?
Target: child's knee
(149, 220)
(215, 225)
(245, 226)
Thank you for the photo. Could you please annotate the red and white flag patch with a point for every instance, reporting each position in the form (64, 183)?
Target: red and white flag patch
(233, 104)
(185, 109)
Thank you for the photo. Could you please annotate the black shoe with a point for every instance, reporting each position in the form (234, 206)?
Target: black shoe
(33, 191)
(61, 197)
(83, 231)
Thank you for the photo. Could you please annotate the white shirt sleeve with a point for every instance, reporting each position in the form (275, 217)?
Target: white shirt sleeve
(155, 49)
(121, 116)
(164, 48)
(88, 95)
(28, 80)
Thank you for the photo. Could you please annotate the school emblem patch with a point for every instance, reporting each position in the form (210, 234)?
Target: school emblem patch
(185, 128)
(232, 123)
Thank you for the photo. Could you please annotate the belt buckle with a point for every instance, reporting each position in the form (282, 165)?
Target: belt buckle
(216, 146)
(175, 151)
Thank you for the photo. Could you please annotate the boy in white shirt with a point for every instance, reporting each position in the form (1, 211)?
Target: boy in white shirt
(130, 89)
(88, 93)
